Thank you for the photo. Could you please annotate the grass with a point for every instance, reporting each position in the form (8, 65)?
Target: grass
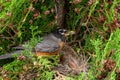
(102, 54)
(96, 23)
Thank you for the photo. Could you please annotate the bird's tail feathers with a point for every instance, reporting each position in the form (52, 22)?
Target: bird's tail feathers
(11, 55)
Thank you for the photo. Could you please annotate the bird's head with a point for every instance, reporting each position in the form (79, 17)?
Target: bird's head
(63, 33)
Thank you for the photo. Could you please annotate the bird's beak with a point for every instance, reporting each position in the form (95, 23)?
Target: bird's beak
(68, 33)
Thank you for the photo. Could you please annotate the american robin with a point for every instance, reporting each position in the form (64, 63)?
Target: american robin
(51, 44)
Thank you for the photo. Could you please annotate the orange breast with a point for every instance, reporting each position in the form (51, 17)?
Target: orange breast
(39, 53)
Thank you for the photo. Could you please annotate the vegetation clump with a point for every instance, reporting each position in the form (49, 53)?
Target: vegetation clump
(97, 37)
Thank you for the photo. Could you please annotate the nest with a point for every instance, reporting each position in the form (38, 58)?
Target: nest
(71, 63)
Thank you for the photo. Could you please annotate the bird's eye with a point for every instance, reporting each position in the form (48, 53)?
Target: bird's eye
(62, 31)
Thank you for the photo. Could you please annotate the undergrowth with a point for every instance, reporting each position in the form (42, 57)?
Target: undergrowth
(105, 62)
(96, 23)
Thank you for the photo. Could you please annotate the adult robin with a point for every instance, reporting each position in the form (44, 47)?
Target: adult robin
(50, 45)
